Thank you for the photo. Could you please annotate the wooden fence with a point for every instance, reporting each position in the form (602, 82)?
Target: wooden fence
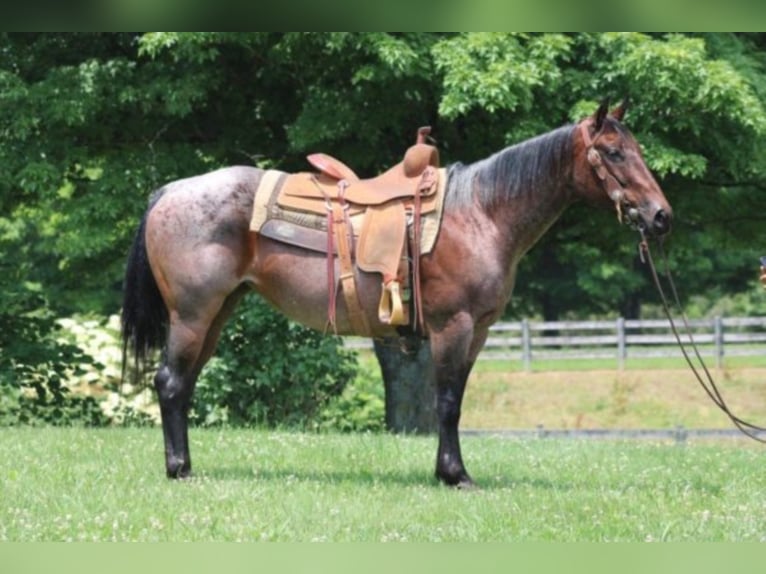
(620, 339)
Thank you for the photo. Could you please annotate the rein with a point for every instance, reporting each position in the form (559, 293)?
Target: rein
(707, 383)
(615, 191)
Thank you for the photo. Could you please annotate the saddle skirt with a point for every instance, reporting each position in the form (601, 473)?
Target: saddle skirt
(367, 223)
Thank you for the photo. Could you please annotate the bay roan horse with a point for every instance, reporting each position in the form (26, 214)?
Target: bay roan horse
(194, 257)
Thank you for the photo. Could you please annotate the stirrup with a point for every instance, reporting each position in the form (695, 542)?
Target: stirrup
(390, 309)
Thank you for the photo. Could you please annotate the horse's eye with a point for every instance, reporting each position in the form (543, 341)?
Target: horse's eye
(613, 154)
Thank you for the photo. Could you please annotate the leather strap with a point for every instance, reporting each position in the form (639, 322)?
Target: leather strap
(612, 186)
(331, 290)
(343, 237)
(427, 181)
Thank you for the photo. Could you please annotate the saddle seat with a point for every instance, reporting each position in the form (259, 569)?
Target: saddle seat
(366, 222)
(395, 183)
(399, 182)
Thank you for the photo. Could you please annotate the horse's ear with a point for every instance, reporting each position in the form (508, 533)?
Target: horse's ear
(600, 115)
(619, 112)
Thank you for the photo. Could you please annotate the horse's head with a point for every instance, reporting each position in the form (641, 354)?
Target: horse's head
(610, 170)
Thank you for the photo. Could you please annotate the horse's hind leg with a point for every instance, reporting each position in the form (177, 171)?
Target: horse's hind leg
(190, 344)
(173, 383)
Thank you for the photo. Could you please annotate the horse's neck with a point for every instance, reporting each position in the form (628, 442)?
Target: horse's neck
(524, 219)
(524, 188)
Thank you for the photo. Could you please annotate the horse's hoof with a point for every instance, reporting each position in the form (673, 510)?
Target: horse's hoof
(178, 470)
(460, 481)
(181, 475)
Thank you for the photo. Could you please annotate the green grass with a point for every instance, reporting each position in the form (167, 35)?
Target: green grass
(249, 485)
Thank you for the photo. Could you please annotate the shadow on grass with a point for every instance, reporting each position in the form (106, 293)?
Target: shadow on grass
(329, 477)
(363, 477)
(425, 479)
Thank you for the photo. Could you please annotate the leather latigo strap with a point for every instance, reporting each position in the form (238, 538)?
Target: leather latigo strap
(343, 239)
(427, 182)
(340, 232)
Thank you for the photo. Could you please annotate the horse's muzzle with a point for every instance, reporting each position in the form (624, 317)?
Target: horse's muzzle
(655, 225)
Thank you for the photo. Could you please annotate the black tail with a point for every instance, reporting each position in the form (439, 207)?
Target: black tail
(144, 315)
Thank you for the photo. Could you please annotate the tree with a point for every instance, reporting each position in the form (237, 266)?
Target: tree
(410, 388)
(697, 109)
(92, 122)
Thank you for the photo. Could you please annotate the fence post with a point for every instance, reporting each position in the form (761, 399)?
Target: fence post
(621, 348)
(718, 338)
(526, 345)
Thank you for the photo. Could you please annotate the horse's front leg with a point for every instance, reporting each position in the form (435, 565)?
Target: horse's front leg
(454, 351)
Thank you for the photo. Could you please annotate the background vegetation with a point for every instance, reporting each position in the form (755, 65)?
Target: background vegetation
(91, 123)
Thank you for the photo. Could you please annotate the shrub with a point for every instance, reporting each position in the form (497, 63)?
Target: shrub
(361, 406)
(34, 366)
(269, 371)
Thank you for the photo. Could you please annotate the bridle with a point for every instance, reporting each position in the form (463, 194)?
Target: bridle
(613, 187)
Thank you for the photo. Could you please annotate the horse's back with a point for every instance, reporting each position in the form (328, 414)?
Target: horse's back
(215, 188)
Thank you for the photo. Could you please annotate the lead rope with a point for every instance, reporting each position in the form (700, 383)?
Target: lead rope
(747, 428)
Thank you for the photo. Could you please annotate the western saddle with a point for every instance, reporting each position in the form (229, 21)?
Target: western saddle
(361, 220)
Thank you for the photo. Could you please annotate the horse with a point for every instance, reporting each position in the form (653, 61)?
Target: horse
(194, 257)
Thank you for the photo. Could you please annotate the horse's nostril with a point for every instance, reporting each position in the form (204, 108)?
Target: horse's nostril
(661, 222)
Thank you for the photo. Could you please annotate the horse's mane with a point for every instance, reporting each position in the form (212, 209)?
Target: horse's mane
(539, 162)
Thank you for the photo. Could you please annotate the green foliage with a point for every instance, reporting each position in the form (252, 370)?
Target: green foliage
(123, 403)
(34, 367)
(360, 407)
(91, 123)
(269, 371)
(498, 71)
(34, 363)
(51, 404)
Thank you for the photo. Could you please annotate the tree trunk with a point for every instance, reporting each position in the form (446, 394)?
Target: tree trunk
(408, 377)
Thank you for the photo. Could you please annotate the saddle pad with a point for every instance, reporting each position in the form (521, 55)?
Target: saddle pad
(291, 225)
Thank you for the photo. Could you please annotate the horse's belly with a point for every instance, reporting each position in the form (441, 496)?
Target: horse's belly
(297, 283)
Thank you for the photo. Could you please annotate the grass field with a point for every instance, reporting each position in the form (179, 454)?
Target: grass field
(108, 484)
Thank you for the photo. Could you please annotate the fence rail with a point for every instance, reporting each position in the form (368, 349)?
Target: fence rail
(620, 339)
